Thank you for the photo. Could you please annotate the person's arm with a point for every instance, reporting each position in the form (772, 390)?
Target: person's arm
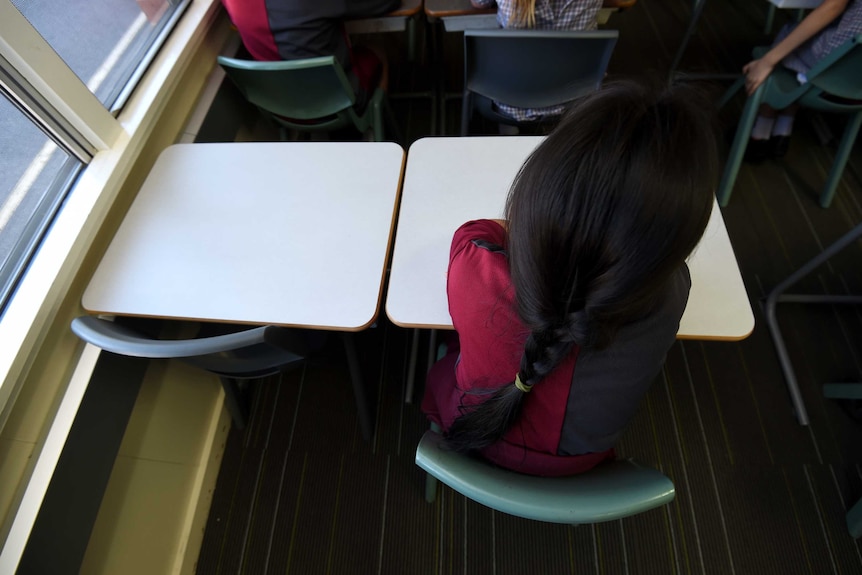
(758, 70)
(483, 3)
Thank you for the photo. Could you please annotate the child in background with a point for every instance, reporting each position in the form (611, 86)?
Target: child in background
(542, 14)
(797, 47)
(296, 29)
(565, 310)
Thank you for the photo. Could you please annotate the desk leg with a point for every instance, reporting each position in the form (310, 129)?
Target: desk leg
(438, 74)
(411, 38)
(411, 367)
(432, 349)
(696, 10)
(234, 400)
(366, 421)
(777, 294)
(770, 19)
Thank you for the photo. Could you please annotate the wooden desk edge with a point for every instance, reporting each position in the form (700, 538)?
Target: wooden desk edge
(450, 13)
(249, 324)
(728, 338)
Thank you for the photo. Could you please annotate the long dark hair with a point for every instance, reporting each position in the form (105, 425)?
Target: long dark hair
(600, 216)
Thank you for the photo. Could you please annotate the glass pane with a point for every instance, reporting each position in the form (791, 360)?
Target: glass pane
(103, 41)
(34, 175)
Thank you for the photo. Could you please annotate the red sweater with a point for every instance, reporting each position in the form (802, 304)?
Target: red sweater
(491, 338)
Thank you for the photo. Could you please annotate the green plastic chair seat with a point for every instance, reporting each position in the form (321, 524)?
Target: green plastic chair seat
(610, 491)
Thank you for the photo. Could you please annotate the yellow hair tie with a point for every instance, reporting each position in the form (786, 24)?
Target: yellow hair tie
(520, 385)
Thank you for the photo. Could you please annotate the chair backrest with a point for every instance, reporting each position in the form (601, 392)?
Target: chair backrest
(246, 354)
(536, 68)
(308, 89)
(840, 72)
(610, 491)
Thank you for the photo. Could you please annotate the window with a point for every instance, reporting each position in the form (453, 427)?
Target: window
(107, 46)
(34, 172)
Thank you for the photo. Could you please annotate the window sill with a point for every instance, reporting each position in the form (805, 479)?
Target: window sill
(34, 328)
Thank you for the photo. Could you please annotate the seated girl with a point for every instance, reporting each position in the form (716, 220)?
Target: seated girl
(296, 29)
(565, 310)
(798, 48)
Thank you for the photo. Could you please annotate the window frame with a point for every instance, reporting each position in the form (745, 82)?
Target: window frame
(53, 83)
(36, 317)
(112, 142)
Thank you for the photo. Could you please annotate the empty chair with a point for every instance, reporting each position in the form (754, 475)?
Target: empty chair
(607, 492)
(241, 355)
(531, 69)
(834, 85)
(309, 95)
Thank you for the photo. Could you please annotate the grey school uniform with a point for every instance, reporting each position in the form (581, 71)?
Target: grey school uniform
(846, 26)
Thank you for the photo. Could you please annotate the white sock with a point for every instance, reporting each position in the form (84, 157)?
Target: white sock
(762, 128)
(783, 125)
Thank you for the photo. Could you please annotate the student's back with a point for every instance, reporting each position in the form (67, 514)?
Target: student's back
(564, 312)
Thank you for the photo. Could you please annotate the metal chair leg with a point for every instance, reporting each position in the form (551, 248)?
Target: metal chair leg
(411, 367)
(777, 295)
(840, 161)
(696, 10)
(366, 419)
(740, 141)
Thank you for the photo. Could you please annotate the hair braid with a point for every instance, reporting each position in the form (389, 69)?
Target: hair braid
(484, 424)
(525, 13)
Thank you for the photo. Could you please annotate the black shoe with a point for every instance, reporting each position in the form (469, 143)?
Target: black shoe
(757, 150)
(779, 145)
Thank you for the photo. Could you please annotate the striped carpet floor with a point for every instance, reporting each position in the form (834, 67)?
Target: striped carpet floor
(300, 492)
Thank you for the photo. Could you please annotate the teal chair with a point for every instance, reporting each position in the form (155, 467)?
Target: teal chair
(531, 69)
(838, 74)
(234, 354)
(309, 95)
(848, 391)
(610, 491)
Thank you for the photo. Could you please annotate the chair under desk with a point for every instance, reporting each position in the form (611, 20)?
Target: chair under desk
(460, 15)
(288, 234)
(449, 181)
